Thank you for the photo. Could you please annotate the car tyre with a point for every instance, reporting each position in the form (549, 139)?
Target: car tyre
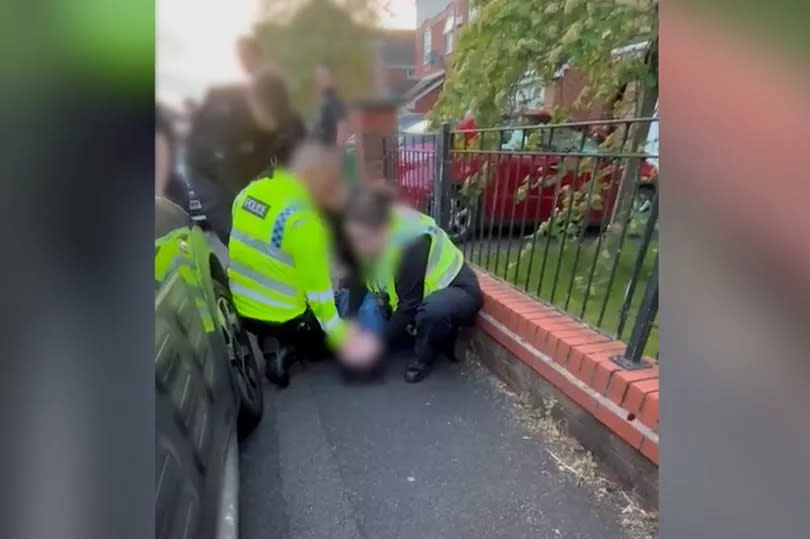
(461, 224)
(244, 365)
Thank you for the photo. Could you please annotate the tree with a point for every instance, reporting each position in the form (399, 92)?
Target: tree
(511, 37)
(300, 34)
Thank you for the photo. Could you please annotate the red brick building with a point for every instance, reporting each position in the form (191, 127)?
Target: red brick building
(438, 23)
(396, 63)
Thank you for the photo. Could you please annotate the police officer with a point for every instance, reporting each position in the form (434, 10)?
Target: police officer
(412, 262)
(279, 271)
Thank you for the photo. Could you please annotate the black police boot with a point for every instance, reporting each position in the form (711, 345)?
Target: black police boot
(277, 363)
(417, 370)
(449, 347)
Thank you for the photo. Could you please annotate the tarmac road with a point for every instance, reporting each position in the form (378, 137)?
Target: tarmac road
(441, 459)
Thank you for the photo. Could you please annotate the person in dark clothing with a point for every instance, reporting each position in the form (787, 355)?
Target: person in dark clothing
(329, 127)
(168, 183)
(231, 142)
(422, 276)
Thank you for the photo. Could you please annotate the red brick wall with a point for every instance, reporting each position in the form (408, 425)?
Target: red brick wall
(565, 91)
(397, 74)
(426, 102)
(436, 26)
(577, 360)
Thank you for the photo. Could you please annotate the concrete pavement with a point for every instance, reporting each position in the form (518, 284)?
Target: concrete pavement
(440, 459)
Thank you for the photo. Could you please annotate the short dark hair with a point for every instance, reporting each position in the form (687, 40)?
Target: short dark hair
(370, 205)
(272, 93)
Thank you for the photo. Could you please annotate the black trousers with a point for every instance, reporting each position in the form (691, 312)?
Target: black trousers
(443, 312)
(302, 336)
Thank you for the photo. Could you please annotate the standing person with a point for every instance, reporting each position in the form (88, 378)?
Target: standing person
(279, 271)
(429, 287)
(228, 145)
(468, 127)
(168, 184)
(330, 129)
(330, 123)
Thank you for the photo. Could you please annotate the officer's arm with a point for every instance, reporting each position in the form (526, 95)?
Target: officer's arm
(310, 249)
(410, 285)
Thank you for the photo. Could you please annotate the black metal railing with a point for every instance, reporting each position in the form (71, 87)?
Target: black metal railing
(568, 213)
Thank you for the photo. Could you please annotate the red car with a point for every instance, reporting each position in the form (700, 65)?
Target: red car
(503, 201)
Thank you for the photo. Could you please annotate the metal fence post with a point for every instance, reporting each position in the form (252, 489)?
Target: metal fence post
(631, 359)
(441, 185)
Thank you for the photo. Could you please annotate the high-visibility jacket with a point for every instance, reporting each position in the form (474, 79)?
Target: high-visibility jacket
(279, 252)
(173, 255)
(445, 260)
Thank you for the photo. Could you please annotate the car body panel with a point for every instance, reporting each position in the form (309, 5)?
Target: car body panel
(500, 202)
(195, 394)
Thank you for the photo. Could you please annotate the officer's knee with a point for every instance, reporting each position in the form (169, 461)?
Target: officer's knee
(429, 315)
(478, 299)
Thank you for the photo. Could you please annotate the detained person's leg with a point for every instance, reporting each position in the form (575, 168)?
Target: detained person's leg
(438, 319)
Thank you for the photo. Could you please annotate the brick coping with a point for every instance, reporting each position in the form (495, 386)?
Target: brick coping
(576, 360)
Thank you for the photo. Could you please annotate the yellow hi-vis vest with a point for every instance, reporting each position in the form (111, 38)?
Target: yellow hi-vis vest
(172, 256)
(445, 260)
(279, 251)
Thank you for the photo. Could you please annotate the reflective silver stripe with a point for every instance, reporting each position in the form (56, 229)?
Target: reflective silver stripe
(450, 273)
(165, 288)
(321, 296)
(436, 253)
(263, 280)
(263, 247)
(332, 322)
(176, 264)
(238, 289)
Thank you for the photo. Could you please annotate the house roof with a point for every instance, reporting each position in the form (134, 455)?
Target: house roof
(423, 86)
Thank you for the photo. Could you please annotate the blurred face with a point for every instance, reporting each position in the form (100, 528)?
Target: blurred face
(366, 241)
(323, 78)
(326, 185)
(250, 55)
(163, 163)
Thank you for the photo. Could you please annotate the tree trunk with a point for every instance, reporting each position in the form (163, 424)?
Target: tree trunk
(638, 138)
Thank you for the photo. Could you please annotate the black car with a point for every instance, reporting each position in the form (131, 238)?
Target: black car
(208, 391)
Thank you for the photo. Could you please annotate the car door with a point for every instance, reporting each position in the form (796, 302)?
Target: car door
(195, 401)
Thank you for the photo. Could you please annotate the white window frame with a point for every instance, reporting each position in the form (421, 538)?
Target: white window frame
(426, 45)
(449, 28)
(472, 12)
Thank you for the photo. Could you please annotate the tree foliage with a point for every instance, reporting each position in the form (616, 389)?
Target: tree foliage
(300, 34)
(511, 37)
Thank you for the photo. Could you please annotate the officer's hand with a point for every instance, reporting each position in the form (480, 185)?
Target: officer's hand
(361, 349)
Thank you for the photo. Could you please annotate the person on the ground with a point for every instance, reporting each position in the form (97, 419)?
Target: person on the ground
(330, 123)
(279, 271)
(227, 145)
(417, 269)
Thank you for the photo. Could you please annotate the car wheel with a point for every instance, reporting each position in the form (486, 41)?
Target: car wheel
(460, 227)
(243, 362)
